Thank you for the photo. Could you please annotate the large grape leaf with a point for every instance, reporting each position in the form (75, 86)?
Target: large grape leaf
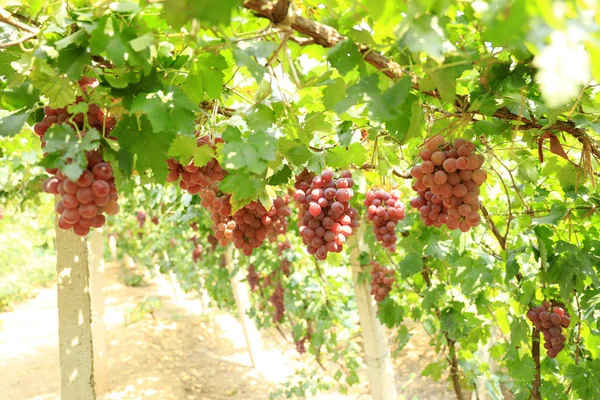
(11, 124)
(184, 148)
(205, 79)
(242, 187)
(139, 140)
(57, 88)
(168, 110)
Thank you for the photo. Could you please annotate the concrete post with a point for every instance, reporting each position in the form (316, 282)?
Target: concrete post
(377, 356)
(96, 248)
(242, 300)
(74, 317)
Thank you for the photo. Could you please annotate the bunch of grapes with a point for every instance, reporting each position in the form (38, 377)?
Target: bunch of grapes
(197, 252)
(550, 321)
(276, 300)
(328, 218)
(96, 118)
(384, 210)
(193, 178)
(279, 222)
(141, 217)
(382, 280)
(447, 182)
(253, 278)
(253, 223)
(83, 202)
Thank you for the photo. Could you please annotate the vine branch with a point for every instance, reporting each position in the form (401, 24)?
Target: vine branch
(535, 353)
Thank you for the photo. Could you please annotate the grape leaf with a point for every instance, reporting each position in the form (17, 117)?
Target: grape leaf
(243, 189)
(139, 140)
(184, 148)
(281, 177)
(557, 212)
(168, 110)
(22, 96)
(345, 56)
(251, 154)
(57, 88)
(389, 313)
(340, 157)
(12, 124)
(205, 79)
(410, 265)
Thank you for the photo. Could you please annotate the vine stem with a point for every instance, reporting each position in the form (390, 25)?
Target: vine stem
(452, 359)
(577, 347)
(535, 353)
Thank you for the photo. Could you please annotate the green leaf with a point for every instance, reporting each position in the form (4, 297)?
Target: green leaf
(72, 61)
(22, 96)
(557, 212)
(252, 154)
(140, 43)
(422, 34)
(410, 265)
(394, 108)
(149, 147)
(345, 56)
(168, 110)
(340, 157)
(260, 118)
(243, 189)
(389, 313)
(205, 79)
(281, 177)
(297, 154)
(334, 93)
(434, 370)
(12, 124)
(184, 148)
(244, 60)
(57, 88)
(445, 81)
(215, 12)
(77, 38)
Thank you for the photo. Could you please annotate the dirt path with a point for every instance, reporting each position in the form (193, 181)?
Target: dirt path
(173, 352)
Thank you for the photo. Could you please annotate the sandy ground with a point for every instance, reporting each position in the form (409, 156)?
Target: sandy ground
(176, 352)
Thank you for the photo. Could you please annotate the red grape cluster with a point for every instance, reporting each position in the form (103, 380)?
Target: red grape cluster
(253, 223)
(382, 280)
(276, 300)
(328, 218)
(279, 221)
(96, 118)
(384, 210)
(303, 181)
(84, 201)
(141, 217)
(193, 178)
(447, 182)
(253, 278)
(550, 321)
(197, 252)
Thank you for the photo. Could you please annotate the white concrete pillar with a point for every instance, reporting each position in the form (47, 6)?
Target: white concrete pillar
(242, 300)
(377, 355)
(74, 317)
(96, 249)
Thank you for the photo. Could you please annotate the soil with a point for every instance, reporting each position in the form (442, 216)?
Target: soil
(164, 346)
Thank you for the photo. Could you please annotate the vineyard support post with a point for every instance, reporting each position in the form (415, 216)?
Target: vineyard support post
(76, 352)
(377, 356)
(242, 301)
(96, 260)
